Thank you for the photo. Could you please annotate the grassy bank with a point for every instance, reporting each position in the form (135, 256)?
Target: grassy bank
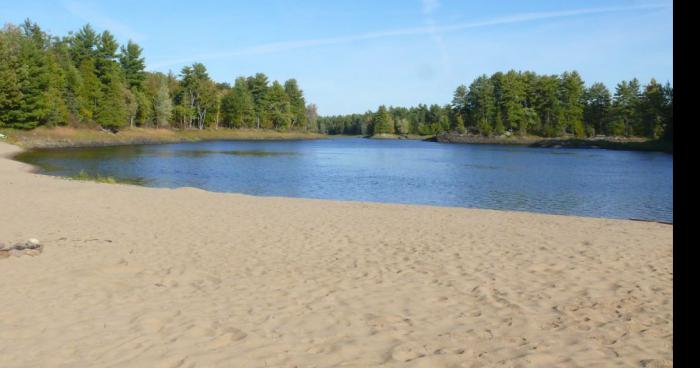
(74, 137)
(84, 176)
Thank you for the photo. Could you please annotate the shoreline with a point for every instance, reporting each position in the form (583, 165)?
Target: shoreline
(115, 180)
(620, 144)
(66, 137)
(138, 276)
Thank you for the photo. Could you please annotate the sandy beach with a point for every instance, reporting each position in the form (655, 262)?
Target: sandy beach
(142, 277)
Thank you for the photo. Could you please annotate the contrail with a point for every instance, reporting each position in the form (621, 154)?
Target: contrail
(426, 30)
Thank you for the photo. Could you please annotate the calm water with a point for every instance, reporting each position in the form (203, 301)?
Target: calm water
(588, 182)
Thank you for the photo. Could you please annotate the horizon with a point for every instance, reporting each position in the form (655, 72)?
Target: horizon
(422, 51)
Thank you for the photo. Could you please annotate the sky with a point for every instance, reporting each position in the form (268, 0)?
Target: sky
(352, 56)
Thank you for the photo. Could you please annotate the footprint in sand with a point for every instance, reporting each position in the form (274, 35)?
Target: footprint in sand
(407, 352)
(229, 335)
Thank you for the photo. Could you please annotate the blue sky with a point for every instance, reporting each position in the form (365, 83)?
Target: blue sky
(351, 56)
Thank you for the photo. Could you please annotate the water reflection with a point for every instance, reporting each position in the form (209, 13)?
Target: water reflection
(599, 183)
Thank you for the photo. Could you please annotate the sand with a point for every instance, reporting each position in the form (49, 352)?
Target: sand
(143, 277)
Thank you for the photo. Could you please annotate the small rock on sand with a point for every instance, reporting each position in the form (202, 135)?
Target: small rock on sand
(32, 244)
(31, 247)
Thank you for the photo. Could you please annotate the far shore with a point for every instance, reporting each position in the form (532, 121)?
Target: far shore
(64, 137)
(613, 143)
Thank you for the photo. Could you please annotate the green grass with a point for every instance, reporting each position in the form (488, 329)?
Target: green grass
(85, 137)
(84, 176)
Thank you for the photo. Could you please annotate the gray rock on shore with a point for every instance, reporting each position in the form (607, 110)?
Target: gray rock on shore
(31, 247)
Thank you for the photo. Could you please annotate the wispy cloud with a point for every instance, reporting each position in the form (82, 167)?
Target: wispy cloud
(97, 18)
(430, 29)
(429, 7)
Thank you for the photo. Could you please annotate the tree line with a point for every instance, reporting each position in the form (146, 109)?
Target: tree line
(86, 77)
(525, 103)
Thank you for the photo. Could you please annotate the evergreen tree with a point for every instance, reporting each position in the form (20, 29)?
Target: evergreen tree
(597, 108)
(106, 66)
(25, 77)
(513, 97)
(458, 125)
(83, 45)
(90, 92)
(547, 105)
(651, 110)
(460, 102)
(133, 65)
(258, 87)
(297, 103)
(571, 97)
(668, 111)
(112, 108)
(237, 105)
(482, 104)
(279, 107)
(46, 80)
(625, 108)
(56, 93)
(382, 123)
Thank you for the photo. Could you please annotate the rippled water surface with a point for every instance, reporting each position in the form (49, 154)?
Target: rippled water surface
(588, 182)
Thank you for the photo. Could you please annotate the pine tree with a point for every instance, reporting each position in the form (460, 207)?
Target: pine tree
(382, 121)
(482, 104)
(258, 87)
(133, 65)
(597, 108)
(113, 111)
(56, 94)
(651, 110)
(458, 125)
(625, 108)
(90, 93)
(238, 106)
(548, 105)
(25, 77)
(10, 79)
(296, 102)
(83, 45)
(513, 97)
(105, 58)
(570, 96)
(279, 107)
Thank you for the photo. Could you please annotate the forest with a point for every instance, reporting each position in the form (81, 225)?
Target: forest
(525, 103)
(86, 78)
